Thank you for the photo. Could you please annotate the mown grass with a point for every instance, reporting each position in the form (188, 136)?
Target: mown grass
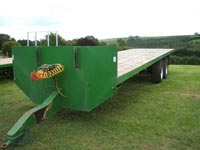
(141, 115)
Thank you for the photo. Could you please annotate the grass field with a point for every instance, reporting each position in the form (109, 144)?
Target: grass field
(141, 115)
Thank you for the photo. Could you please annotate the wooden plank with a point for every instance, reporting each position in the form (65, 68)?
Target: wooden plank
(129, 60)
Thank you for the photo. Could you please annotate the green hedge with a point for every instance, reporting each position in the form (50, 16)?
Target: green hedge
(185, 56)
(186, 53)
(193, 60)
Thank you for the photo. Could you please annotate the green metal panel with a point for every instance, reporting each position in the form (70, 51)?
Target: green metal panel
(24, 62)
(126, 76)
(94, 79)
(6, 66)
(89, 78)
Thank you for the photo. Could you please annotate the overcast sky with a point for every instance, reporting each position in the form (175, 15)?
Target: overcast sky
(100, 18)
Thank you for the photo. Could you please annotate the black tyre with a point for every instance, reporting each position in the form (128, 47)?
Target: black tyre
(157, 72)
(8, 72)
(165, 67)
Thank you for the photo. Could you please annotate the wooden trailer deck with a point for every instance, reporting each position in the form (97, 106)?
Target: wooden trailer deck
(5, 62)
(131, 62)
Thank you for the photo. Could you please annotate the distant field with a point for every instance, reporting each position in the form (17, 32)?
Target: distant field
(158, 38)
(187, 46)
(141, 115)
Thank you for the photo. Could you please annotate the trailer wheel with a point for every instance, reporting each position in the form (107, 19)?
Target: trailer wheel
(165, 67)
(8, 73)
(157, 72)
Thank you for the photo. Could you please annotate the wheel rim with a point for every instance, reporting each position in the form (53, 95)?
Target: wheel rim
(166, 71)
(161, 73)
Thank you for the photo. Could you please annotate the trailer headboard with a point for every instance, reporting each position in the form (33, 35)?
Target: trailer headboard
(89, 78)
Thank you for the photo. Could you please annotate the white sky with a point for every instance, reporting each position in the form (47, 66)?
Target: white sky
(100, 18)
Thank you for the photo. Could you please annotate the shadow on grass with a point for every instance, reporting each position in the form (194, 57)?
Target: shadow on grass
(4, 80)
(127, 95)
(113, 106)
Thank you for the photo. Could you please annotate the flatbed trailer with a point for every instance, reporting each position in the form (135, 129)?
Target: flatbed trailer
(131, 62)
(6, 67)
(5, 62)
(85, 77)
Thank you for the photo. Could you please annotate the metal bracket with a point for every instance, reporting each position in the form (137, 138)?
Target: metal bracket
(37, 56)
(48, 32)
(76, 57)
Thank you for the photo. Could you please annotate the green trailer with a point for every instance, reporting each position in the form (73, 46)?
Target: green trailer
(89, 76)
(6, 67)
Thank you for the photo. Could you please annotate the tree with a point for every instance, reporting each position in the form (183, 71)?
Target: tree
(3, 38)
(87, 41)
(52, 40)
(130, 41)
(103, 43)
(7, 47)
(121, 43)
(24, 42)
(71, 42)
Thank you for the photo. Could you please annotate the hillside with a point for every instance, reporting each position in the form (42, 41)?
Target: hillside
(190, 42)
